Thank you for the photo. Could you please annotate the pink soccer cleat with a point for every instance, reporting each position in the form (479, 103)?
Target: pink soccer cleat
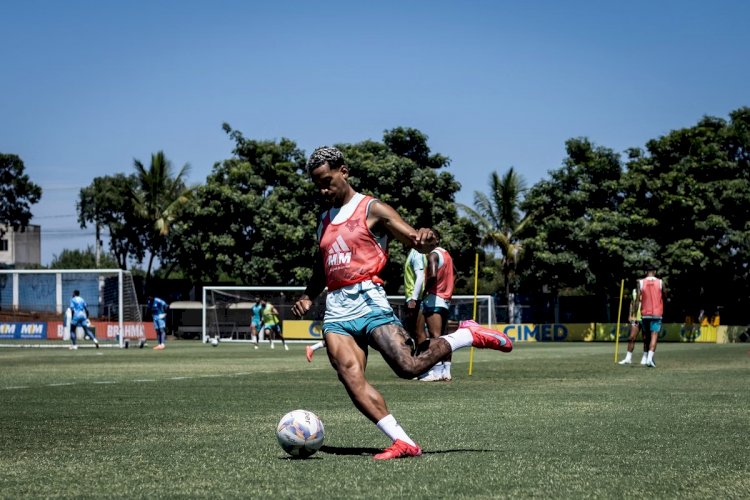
(309, 351)
(399, 449)
(486, 338)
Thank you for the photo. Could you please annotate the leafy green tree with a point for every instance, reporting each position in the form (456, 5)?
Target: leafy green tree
(412, 144)
(107, 203)
(692, 190)
(253, 221)
(17, 194)
(683, 202)
(579, 238)
(158, 200)
(82, 259)
(500, 219)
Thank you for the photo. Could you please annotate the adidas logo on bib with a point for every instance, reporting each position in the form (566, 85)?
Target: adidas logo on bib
(339, 253)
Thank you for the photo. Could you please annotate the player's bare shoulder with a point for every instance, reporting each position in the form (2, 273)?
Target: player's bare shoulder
(381, 214)
(379, 209)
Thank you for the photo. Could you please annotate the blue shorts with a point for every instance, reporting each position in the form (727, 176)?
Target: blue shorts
(653, 325)
(442, 311)
(362, 326)
(160, 323)
(76, 322)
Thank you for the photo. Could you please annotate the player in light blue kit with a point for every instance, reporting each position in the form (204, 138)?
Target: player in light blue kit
(159, 315)
(255, 324)
(79, 316)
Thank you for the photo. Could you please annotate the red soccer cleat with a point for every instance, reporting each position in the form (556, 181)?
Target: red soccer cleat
(309, 351)
(399, 449)
(486, 338)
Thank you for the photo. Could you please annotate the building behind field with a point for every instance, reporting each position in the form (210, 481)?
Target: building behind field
(21, 249)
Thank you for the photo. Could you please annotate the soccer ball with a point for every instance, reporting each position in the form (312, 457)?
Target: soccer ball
(300, 433)
(215, 341)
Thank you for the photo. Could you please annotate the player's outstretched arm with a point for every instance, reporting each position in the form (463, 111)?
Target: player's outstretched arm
(423, 239)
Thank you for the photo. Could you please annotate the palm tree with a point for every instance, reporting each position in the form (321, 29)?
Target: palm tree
(500, 220)
(158, 199)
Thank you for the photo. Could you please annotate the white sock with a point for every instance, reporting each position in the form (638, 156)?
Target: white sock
(628, 356)
(650, 356)
(393, 430)
(459, 339)
(317, 345)
(644, 357)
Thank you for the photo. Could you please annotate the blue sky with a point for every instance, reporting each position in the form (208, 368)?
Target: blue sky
(88, 86)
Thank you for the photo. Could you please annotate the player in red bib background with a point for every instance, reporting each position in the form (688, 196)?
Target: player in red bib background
(652, 294)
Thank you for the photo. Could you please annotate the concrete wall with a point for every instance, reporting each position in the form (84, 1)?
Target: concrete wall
(24, 247)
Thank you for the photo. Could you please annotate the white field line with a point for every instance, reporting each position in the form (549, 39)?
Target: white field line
(109, 382)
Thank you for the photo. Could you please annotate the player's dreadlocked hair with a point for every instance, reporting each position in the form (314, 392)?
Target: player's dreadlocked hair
(325, 154)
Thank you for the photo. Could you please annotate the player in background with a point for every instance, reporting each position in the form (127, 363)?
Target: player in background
(636, 326)
(652, 294)
(440, 279)
(414, 280)
(352, 238)
(159, 316)
(271, 323)
(310, 350)
(255, 324)
(79, 316)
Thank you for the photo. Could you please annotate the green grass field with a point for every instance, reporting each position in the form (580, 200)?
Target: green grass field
(546, 421)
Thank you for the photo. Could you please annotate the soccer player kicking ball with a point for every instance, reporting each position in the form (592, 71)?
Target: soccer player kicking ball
(352, 236)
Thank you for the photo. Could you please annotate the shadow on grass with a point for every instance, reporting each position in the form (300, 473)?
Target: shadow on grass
(338, 450)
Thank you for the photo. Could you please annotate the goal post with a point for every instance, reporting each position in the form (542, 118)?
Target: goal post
(461, 308)
(33, 303)
(227, 310)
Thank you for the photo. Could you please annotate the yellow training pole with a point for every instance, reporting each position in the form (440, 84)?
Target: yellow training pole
(474, 313)
(619, 312)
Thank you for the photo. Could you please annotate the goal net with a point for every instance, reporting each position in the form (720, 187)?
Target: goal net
(33, 304)
(462, 307)
(227, 312)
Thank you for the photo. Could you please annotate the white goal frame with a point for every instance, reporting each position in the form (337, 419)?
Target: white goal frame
(61, 303)
(259, 289)
(482, 301)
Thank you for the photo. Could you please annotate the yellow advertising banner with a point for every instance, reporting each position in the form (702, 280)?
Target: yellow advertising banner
(549, 332)
(604, 332)
(302, 329)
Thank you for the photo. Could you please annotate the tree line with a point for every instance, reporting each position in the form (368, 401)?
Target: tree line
(682, 202)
